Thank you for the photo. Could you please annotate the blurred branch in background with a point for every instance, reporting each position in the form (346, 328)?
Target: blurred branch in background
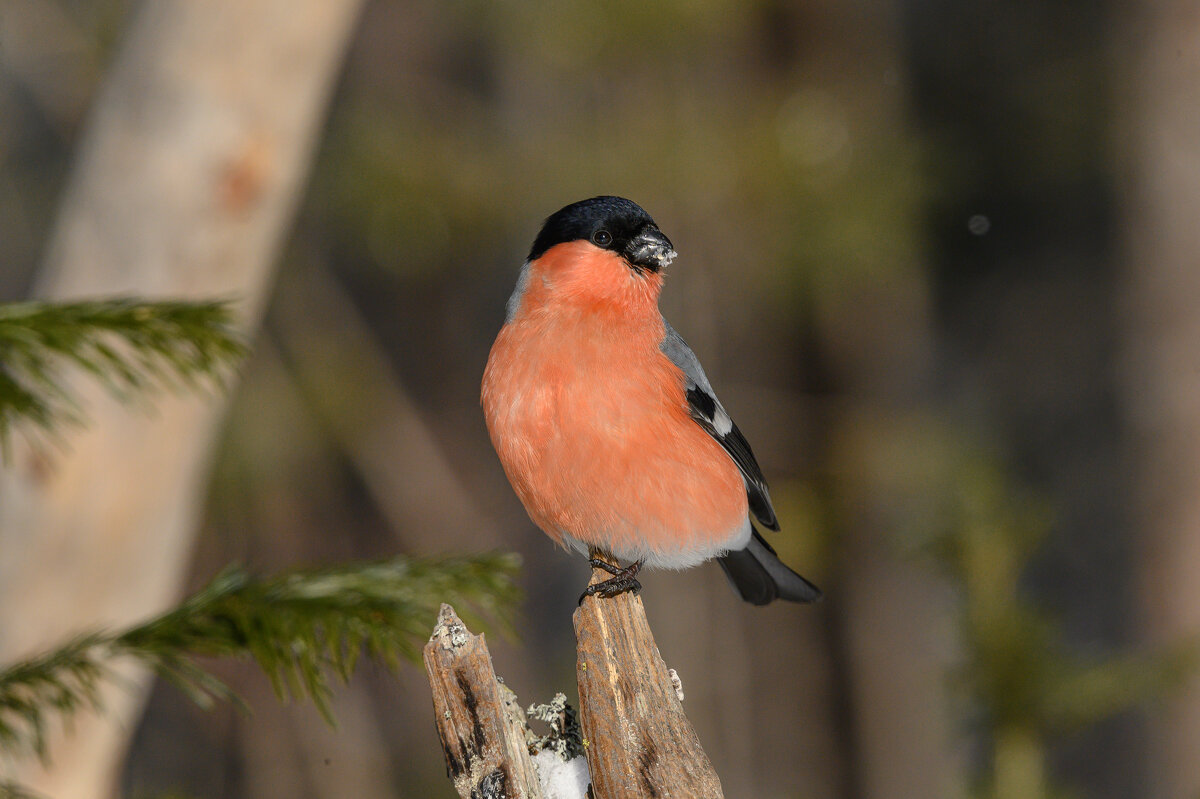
(342, 371)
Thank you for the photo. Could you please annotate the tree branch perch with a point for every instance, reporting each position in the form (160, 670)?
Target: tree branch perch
(638, 741)
(481, 726)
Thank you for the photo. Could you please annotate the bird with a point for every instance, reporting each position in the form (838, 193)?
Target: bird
(605, 423)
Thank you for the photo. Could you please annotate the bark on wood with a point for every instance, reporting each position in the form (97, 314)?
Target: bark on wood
(481, 726)
(638, 741)
(188, 174)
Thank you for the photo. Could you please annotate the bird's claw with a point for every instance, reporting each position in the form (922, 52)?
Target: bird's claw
(623, 579)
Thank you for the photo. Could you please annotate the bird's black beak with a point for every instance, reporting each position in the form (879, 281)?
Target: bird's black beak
(650, 249)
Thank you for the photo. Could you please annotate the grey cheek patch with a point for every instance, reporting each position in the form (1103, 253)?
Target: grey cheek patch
(514, 300)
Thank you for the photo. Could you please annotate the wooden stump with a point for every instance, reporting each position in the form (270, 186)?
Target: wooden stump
(481, 726)
(638, 741)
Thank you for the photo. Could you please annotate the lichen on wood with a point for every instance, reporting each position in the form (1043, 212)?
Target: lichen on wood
(481, 726)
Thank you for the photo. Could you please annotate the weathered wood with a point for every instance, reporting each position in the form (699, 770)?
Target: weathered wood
(638, 741)
(481, 726)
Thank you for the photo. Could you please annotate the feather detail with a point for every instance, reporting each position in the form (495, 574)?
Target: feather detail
(706, 410)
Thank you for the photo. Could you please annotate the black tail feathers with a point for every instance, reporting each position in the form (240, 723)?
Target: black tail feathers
(760, 577)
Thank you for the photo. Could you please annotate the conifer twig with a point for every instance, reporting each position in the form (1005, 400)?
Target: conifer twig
(129, 345)
(298, 627)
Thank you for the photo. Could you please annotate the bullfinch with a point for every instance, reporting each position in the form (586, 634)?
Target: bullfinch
(604, 420)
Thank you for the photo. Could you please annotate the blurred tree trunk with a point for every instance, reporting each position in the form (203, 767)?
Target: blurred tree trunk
(187, 177)
(1163, 375)
(894, 631)
(891, 629)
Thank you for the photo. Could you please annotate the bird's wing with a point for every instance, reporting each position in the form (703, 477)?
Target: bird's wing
(706, 409)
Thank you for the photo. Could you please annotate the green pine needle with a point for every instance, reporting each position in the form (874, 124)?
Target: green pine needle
(129, 345)
(300, 627)
(63, 681)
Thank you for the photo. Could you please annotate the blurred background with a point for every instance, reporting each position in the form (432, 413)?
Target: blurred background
(940, 261)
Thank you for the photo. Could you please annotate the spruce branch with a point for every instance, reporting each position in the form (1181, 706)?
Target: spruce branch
(130, 345)
(299, 627)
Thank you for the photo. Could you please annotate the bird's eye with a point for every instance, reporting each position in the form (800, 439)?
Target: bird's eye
(602, 238)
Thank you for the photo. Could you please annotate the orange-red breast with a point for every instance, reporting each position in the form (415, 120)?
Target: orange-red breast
(604, 420)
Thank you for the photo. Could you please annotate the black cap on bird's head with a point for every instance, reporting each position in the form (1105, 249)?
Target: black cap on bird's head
(610, 223)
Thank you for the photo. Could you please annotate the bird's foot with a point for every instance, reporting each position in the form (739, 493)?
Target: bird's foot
(623, 579)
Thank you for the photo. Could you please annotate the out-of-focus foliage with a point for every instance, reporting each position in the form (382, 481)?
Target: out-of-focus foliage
(298, 627)
(1020, 683)
(550, 103)
(1020, 675)
(128, 345)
